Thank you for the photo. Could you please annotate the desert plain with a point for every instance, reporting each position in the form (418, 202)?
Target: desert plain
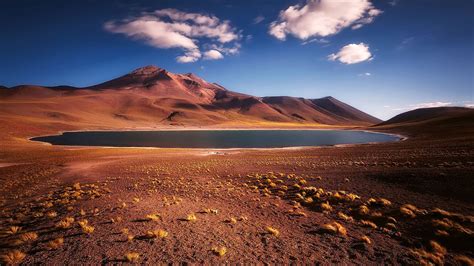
(404, 202)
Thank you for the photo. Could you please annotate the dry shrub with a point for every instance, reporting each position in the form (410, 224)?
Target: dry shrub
(13, 257)
(153, 217)
(334, 228)
(345, 217)
(220, 251)
(191, 217)
(436, 256)
(368, 224)
(159, 233)
(366, 239)
(272, 231)
(363, 210)
(55, 243)
(28, 237)
(132, 256)
(13, 230)
(65, 223)
(409, 210)
(231, 220)
(325, 206)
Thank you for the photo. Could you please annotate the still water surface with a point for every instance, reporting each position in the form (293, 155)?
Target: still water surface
(216, 138)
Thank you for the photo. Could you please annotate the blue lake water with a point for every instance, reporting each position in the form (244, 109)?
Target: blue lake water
(217, 138)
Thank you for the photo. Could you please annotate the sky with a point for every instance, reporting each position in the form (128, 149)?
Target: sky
(383, 57)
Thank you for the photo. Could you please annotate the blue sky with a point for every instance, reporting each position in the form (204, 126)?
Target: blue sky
(383, 57)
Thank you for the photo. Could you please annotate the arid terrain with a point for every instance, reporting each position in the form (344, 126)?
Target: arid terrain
(406, 202)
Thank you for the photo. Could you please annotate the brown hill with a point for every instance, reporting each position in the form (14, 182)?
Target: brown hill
(440, 121)
(153, 96)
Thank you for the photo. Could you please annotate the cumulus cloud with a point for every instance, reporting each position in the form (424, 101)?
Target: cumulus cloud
(320, 18)
(352, 54)
(213, 55)
(171, 28)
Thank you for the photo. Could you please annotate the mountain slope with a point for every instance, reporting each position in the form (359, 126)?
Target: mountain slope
(152, 95)
(439, 121)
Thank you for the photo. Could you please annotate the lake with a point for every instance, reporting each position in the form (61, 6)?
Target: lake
(217, 138)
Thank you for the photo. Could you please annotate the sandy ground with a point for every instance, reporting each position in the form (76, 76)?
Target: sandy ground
(312, 205)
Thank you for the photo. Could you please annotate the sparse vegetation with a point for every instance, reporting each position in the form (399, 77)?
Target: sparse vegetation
(132, 256)
(13, 257)
(55, 243)
(272, 230)
(159, 233)
(191, 217)
(220, 251)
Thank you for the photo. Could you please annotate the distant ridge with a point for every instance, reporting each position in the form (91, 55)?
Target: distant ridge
(152, 94)
(438, 121)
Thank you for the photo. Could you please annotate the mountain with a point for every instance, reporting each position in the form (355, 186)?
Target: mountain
(151, 95)
(439, 121)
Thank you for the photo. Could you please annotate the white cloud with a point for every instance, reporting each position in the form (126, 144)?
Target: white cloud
(366, 74)
(213, 55)
(423, 105)
(320, 18)
(189, 57)
(352, 54)
(171, 28)
(233, 50)
(430, 105)
(258, 19)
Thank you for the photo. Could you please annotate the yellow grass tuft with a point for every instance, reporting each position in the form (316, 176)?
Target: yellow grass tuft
(368, 224)
(191, 217)
(436, 256)
(363, 210)
(51, 214)
(437, 248)
(132, 256)
(153, 217)
(220, 251)
(13, 257)
(325, 206)
(28, 237)
(334, 228)
(83, 222)
(156, 234)
(65, 223)
(55, 243)
(231, 220)
(366, 239)
(272, 231)
(345, 217)
(384, 202)
(329, 228)
(13, 230)
(87, 229)
(340, 229)
(409, 210)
